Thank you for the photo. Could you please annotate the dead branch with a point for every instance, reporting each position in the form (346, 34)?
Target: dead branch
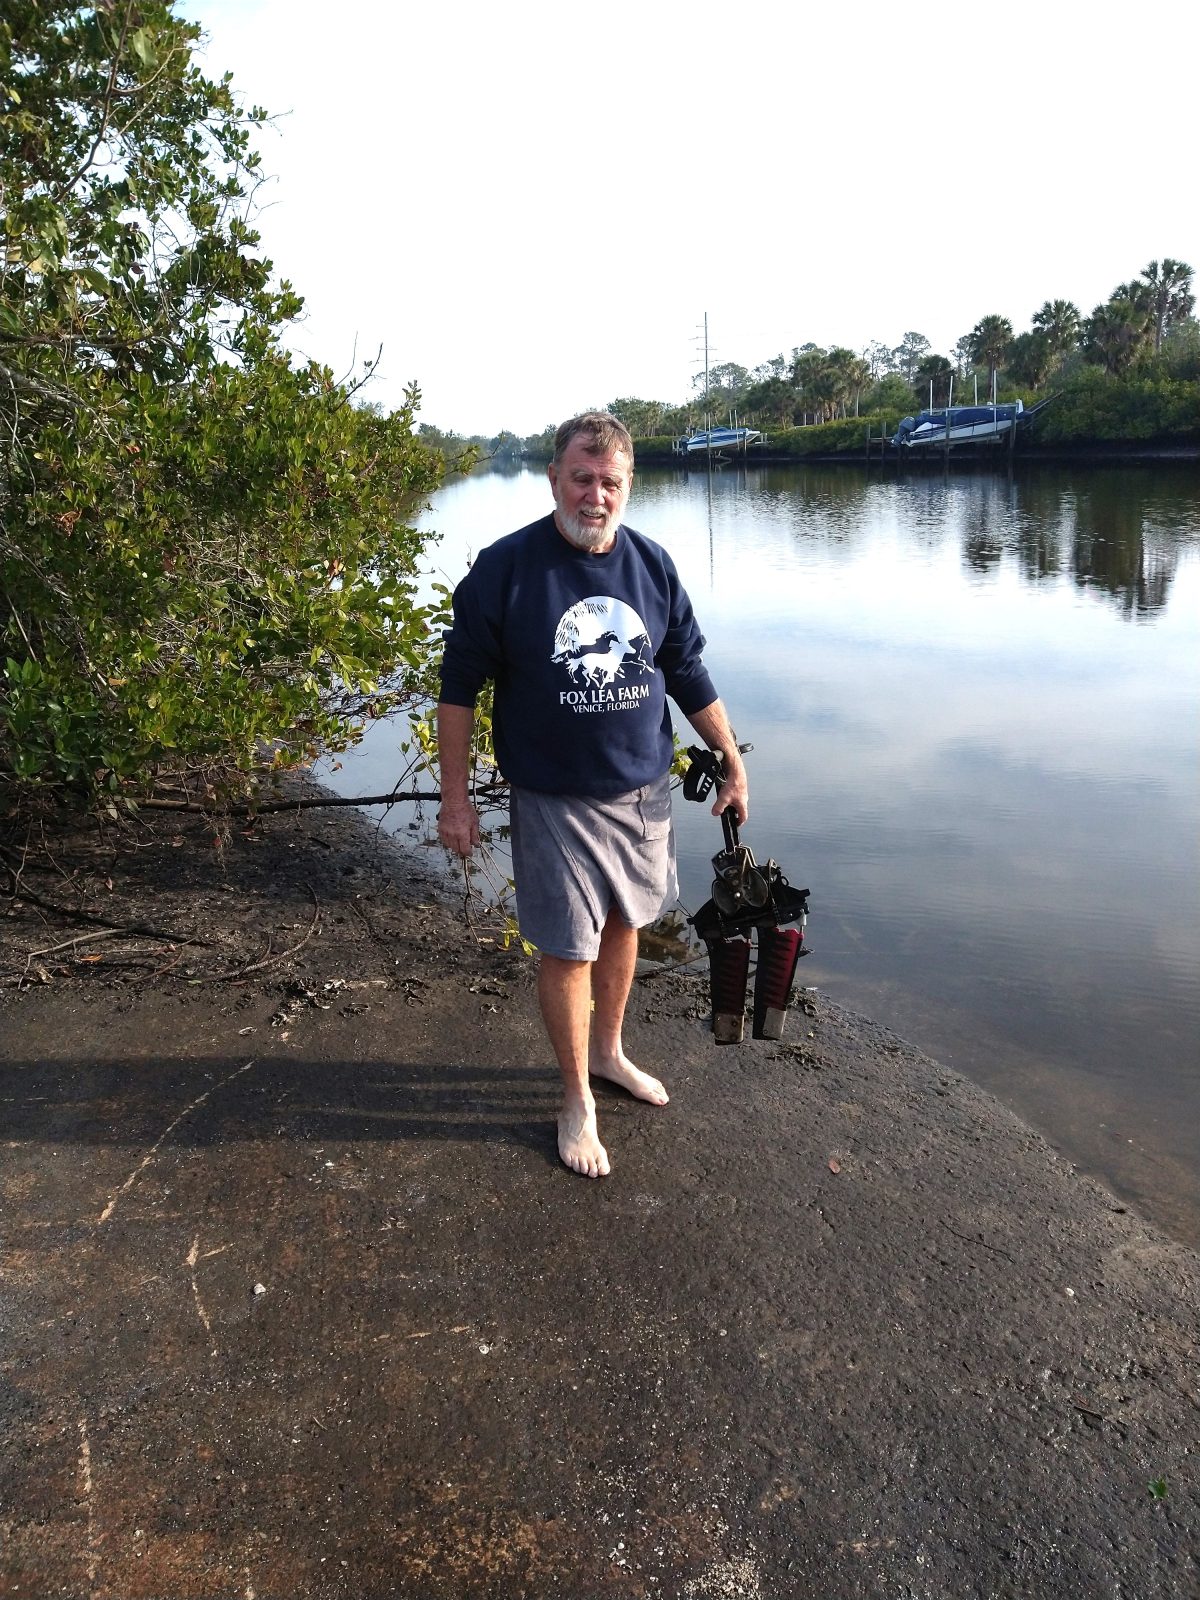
(55, 393)
(666, 968)
(147, 932)
(374, 932)
(282, 955)
(1099, 1416)
(158, 972)
(262, 808)
(68, 944)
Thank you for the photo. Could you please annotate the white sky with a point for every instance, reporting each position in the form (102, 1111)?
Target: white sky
(532, 206)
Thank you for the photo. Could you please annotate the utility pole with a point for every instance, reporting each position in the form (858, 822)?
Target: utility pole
(707, 419)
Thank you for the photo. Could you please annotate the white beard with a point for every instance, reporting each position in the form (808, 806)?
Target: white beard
(585, 533)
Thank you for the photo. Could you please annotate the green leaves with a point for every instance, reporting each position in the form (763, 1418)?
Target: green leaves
(142, 46)
(215, 559)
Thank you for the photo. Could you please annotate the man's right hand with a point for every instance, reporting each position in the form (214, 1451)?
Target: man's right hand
(458, 826)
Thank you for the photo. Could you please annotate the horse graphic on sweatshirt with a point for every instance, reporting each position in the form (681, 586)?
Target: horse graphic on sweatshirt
(602, 640)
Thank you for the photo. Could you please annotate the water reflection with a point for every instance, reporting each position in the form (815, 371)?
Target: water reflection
(1115, 531)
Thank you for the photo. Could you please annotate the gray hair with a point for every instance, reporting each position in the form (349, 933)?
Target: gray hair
(602, 432)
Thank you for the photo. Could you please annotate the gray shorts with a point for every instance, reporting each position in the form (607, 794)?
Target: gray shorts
(574, 859)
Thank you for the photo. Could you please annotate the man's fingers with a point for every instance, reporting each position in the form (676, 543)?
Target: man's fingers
(459, 833)
(732, 794)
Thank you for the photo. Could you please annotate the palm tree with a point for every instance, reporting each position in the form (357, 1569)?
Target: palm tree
(770, 400)
(811, 376)
(1117, 333)
(1137, 292)
(1030, 358)
(1059, 320)
(932, 380)
(849, 374)
(991, 338)
(1170, 287)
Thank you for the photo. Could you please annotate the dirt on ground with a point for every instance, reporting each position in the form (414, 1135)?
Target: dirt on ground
(298, 1301)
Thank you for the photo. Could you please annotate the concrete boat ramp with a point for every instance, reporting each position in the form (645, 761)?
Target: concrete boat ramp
(298, 1302)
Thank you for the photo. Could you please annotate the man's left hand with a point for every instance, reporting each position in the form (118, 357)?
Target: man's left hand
(712, 724)
(735, 791)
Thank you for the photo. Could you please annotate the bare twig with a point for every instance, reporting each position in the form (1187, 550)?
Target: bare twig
(27, 895)
(67, 944)
(282, 955)
(966, 1239)
(250, 808)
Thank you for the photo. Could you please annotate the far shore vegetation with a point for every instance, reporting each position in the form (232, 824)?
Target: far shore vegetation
(1127, 374)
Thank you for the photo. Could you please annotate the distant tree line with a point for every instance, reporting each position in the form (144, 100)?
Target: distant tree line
(1145, 326)
(1144, 330)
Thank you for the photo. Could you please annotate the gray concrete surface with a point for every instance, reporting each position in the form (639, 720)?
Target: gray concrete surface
(297, 1301)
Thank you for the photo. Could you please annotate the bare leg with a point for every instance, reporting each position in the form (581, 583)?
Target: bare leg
(564, 992)
(612, 978)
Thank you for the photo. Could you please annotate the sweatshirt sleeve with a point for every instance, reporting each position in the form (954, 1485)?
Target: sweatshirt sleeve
(472, 653)
(679, 655)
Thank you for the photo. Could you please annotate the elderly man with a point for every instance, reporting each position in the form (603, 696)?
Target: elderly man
(584, 627)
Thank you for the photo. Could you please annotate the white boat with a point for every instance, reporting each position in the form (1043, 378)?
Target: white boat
(714, 439)
(962, 424)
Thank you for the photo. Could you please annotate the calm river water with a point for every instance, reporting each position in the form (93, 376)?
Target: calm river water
(973, 705)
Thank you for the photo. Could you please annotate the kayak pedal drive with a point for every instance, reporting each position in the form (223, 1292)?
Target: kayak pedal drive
(745, 897)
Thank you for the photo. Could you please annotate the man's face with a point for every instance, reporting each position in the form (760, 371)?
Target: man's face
(590, 493)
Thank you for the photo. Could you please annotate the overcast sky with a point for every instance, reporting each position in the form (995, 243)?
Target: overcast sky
(532, 206)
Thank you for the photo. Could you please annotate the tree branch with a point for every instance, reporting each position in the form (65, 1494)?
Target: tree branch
(17, 893)
(46, 391)
(268, 960)
(250, 808)
(105, 108)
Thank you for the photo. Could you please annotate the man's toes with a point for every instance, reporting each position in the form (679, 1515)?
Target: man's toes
(586, 1156)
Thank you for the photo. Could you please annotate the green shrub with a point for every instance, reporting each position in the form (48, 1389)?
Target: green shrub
(844, 437)
(206, 554)
(222, 569)
(1096, 407)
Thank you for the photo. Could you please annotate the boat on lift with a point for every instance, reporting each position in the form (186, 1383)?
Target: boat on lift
(987, 424)
(718, 439)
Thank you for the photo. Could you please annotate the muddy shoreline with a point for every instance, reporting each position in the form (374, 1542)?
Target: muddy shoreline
(299, 1301)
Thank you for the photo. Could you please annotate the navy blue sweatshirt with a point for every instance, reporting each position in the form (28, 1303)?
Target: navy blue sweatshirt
(583, 650)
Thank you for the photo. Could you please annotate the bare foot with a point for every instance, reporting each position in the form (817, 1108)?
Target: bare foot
(579, 1143)
(619, 1069)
